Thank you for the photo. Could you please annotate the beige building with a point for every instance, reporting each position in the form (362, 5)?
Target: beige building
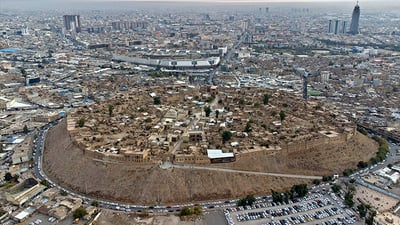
(46, 117)
(386, 218)
(24, 192)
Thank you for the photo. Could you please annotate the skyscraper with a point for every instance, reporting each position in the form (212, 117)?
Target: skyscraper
(355, 19)
(336, 26)
(72, 23)
(344, 27)
(330, 27)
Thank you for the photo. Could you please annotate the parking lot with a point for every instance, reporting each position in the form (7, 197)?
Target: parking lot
(40, 219)
(324, 209)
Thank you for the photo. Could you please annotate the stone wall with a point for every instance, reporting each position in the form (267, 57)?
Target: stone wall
(304, 145)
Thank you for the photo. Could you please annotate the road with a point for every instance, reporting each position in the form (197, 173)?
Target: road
(228, 58)
(37, 170)
(246, 172)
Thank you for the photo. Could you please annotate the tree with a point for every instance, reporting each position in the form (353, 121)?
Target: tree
(25, 129)
(63, 193)
(95, 203)
(197, 210)
(186, 211)
(370, 219)
(226, 136)
(348, 199)
(282, 115)
(336, 188)
(81, 122)
(362, 165)
(23, 72)
(79, 213)
(110, 110)
(45, 183)
(326, 178)
(1, 147)
(276, 196)
(347, 172)
(316, 182)
(156, 100)
(216, 114)
(248, 129)
(207, 110)
(8, 176)
(300, 189)
(248, 200)
(362, 210)
(266, 99)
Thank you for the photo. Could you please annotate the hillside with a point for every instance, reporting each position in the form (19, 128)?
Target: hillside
(66, 164)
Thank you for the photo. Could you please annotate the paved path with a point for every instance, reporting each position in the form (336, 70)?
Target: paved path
(246, 172)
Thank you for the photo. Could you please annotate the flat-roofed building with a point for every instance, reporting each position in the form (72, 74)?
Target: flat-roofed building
(386, 218)
(24, 192)
(217, 156)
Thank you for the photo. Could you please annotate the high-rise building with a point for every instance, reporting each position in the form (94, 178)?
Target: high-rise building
(245, 25)
(336, 26)
(355, 20)
(330, 27)
(344, 27)
(72, 23)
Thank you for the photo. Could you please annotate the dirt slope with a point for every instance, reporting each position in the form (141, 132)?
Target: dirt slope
(66, 164)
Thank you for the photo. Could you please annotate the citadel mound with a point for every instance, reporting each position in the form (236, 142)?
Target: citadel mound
(113, 150)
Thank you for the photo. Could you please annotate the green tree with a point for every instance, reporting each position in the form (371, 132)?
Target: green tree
(362, 165)
(347, 172)
(300, 189)
(241, 101)
(216, 114)
(186, 211)
(26, 130)
(207, 110)
(266, 99)
(23, 72)
(248, 200)
(110, 110)
(336, 188)
(156, 100)
(348, 199)
(79, 213)
(197, 210)
(95, 203)
(63, 193)
(226, 136)
(248, 127)
(370, 219)
(45, 183)
(282, 115)
(8, 176)
(327, 178)
(276, 196)
(362, 210)
(316, 182)
(81, 122)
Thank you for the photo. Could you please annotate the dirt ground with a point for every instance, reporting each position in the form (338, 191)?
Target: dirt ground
(319, 161)
(111, 218)
(377, 200)
(66, 164)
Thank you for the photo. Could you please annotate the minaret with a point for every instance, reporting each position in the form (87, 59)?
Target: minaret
(354, 20)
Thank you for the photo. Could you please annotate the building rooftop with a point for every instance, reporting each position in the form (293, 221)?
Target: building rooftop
(217, 154)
